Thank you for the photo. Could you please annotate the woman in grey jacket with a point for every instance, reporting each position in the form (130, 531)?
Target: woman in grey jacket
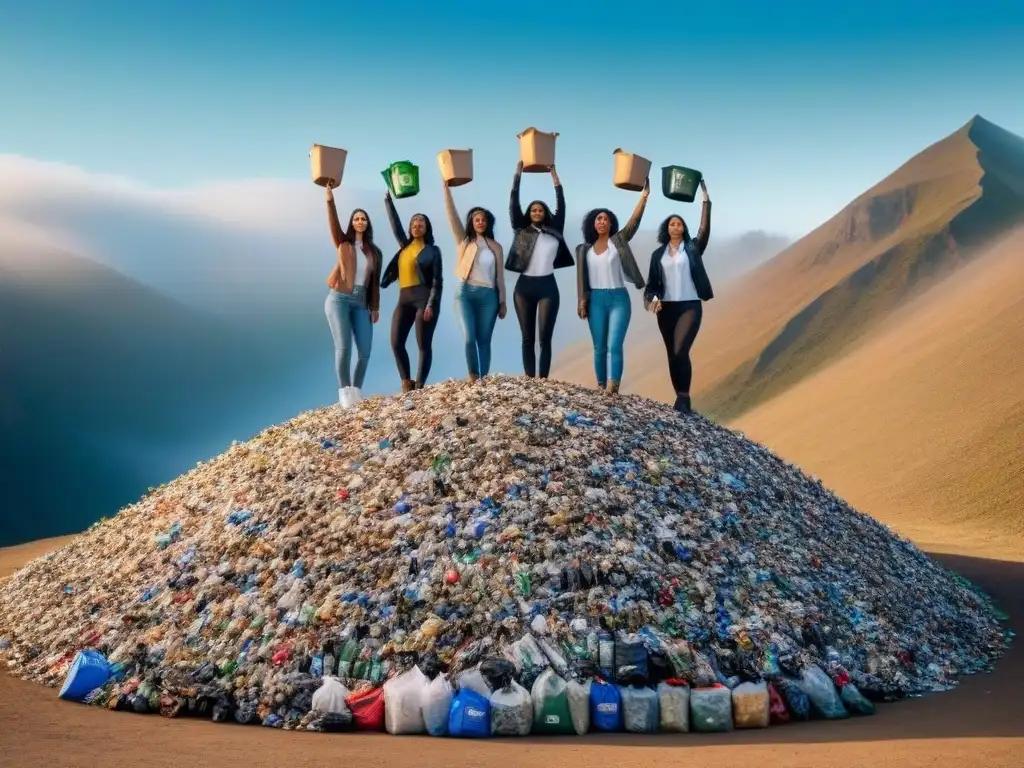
(604, 264)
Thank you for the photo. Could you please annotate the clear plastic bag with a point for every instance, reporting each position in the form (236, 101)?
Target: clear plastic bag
(579, 706)
(437, 701)
(474, 680)
(639, 709)
(403, 702)
(511, 710)
(750, 705)
(822, 692)
(330, 696)
(674, 708)
(711, 709)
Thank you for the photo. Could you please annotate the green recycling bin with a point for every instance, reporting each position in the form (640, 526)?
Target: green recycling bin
(402, 178)
(679, 183)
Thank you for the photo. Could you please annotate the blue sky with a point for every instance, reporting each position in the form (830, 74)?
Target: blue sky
(790, 109)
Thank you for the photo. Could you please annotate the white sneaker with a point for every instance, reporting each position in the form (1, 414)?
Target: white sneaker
(355, 394)
(344, 399)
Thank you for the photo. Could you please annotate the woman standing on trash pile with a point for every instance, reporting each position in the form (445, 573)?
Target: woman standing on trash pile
(604, 262)
(538, 249)
(480, 295)
(417, 269)
(353, 304)
(676, 286)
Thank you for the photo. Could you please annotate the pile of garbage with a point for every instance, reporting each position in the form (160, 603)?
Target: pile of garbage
(507, 557)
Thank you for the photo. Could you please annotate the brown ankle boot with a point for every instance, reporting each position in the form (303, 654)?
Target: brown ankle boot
(408, 385)
(613, 387)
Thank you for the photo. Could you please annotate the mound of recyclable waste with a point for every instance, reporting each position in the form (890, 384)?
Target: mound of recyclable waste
(506, 557)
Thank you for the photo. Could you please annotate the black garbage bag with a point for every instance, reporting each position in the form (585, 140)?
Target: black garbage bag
(430, 665)
(223, 708)
(336, 722)
(630, 659)
(246, 712)
(497, 672)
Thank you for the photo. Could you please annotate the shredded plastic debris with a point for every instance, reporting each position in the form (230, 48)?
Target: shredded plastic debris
(574, 534)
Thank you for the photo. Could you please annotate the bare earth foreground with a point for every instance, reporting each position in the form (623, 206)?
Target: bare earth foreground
(979, 724)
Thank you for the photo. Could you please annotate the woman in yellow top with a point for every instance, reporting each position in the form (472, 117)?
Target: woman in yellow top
(417, 269)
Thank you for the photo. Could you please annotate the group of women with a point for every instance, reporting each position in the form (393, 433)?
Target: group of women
(676, 285)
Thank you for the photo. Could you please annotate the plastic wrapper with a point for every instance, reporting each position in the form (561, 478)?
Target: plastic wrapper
(639, 709)
(711, 709)
(854, 701)
(474, 680)
(630, 659)
(673, 708)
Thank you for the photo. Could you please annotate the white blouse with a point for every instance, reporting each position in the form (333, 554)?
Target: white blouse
(678, 279)
(361, 263)
(605, 269)
(483, 271)
(542, 261)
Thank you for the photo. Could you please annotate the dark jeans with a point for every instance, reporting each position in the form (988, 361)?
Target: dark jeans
(349, 318)
(679, 322)
(478, 312)
(409, 314)
(536, 300)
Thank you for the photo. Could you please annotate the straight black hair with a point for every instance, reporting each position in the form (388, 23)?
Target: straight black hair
(663, 237)
(351, 234)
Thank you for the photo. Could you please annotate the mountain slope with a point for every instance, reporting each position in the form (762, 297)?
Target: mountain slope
(804, 308)
(101, 379)
(921, 424)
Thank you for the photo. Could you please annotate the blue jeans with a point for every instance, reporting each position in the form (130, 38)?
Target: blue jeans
(608, 314)
(349, 318)
(477, 308)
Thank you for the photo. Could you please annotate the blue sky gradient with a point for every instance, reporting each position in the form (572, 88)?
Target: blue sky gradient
(790, 109)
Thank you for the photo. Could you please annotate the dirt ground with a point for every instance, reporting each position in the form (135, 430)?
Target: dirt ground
(980, 724)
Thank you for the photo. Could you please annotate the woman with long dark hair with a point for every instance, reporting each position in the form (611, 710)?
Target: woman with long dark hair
(417, 270)
(538, 249)
(353, 304)
(480, 294)
(604, 263)
(676, 286)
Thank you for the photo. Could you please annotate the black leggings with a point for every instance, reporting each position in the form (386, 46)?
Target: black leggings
(679, 322)
(409, 313)
(536, 300)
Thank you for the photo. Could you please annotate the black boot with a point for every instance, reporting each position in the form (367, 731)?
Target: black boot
(682, 403)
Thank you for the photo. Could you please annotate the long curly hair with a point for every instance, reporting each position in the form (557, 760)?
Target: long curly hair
(590, 224)
(549, 217)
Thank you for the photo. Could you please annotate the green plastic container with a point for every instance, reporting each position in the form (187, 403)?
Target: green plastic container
(402, 178)
(679, 183)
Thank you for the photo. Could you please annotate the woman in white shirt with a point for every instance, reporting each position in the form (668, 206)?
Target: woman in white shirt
(604, 264)
(538, 249)
(676, 287)
(480, 294)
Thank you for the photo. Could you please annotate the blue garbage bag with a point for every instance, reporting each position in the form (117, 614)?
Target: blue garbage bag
(89, 670)
(470, 715)
(605, 707)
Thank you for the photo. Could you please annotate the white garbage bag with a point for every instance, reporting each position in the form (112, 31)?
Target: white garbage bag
(403, 702)
(437, 701)
(330, 696)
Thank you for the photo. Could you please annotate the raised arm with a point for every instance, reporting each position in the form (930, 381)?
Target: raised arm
(396, 223)
(704, 232)
(332, 219)
(515, 210)
(453, 215)
(559, 214)
(638, 213)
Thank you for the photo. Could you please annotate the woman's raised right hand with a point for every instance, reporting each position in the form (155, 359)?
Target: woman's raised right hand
(330, 192)
(519, 167)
